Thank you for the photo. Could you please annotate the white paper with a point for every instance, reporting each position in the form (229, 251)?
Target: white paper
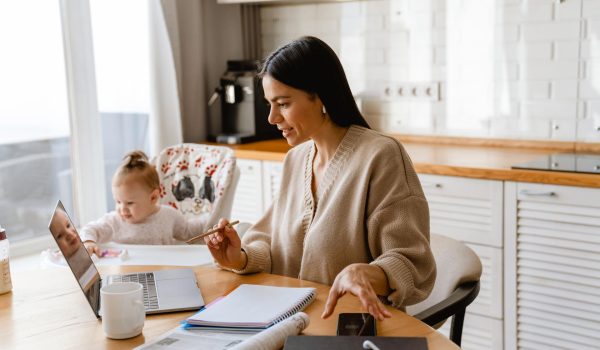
(273, 338)
(182, 339)
(167, 255)
(270, 339)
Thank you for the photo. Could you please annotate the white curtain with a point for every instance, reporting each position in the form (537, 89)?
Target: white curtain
(165, 127)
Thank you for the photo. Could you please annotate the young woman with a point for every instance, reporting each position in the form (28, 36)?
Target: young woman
(351, 212)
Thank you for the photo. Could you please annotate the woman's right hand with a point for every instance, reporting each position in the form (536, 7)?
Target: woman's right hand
(226, 247)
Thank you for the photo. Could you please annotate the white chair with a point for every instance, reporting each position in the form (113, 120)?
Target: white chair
(198, 180)
(456, 286)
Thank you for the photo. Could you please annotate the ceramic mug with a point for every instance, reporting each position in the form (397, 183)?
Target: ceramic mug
(123, 312)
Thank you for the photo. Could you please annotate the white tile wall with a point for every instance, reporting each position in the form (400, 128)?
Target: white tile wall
(527, 69)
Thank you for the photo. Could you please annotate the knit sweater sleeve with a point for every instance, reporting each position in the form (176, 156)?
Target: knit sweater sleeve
(398, 231)
(405, 255)
(257, 240)
(101, 230)
(257, 245)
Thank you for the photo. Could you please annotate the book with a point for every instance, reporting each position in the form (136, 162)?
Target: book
(316, 342)
(254, 306)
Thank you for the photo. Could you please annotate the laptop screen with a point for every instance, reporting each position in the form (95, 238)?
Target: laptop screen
(75, 254)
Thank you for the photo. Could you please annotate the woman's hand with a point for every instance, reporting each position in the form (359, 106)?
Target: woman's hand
(359, 279)
(92, 248)
(226, 247)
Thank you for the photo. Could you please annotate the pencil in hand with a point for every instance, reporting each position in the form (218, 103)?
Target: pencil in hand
(211, 231)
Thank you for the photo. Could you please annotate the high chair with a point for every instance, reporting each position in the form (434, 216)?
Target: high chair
(198, 180)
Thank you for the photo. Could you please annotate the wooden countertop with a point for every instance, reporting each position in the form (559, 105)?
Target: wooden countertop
(473, 160)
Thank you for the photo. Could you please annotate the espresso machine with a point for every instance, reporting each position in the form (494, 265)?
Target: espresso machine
(244, 110)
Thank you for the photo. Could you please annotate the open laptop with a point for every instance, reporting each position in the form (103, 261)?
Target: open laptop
(164, 291)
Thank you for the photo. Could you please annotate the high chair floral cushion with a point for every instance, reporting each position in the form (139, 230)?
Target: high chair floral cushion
(194, 178)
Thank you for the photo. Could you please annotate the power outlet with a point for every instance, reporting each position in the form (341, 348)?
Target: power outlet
(418, 90)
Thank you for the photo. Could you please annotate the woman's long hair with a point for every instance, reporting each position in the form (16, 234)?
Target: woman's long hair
(309, 64)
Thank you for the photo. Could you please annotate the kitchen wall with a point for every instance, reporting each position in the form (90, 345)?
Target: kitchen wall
(519, 69)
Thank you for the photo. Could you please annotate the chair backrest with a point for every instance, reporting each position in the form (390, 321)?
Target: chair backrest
(198, 180)
(456, 284)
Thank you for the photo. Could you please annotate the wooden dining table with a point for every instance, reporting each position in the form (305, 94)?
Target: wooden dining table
(47, 310)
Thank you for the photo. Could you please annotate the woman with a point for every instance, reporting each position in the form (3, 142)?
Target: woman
(351, 212)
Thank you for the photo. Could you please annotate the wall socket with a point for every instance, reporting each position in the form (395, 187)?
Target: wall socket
(413, 90)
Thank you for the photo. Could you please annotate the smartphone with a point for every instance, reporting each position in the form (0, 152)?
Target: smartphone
(356, 324)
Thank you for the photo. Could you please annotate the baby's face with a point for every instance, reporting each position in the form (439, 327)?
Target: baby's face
(65, 234)
(134, 201)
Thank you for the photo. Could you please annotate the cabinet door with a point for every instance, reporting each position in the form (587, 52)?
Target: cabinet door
(271, 181)
(489, 300)
(553, 266)
(479, 333)
(469, 210)
(248, 202)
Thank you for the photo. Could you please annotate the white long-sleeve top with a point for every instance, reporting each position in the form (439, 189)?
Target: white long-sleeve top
(166, 226)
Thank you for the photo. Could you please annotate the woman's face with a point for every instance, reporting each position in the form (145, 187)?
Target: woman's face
(296, 113)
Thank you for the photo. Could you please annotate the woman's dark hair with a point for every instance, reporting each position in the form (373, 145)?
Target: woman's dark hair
(309, 64)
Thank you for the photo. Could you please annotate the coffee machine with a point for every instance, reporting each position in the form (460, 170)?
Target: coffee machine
(244, 111)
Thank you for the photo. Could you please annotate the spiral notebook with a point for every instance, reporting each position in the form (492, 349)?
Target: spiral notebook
(254, 306)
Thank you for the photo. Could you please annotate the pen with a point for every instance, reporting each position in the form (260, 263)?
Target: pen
(211, 231)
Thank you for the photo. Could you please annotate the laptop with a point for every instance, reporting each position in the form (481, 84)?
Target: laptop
(164, 290)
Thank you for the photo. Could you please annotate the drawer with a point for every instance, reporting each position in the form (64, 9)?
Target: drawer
(461, 187)
(569, 195)
(469, 210)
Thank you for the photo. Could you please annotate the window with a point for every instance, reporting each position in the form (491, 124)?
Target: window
(34, 118)
(121, 58)
(36, 139)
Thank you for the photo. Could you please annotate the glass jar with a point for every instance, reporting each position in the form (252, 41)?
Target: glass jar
(5, 282)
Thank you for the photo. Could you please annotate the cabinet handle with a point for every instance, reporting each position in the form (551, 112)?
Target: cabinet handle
(431, 185)
(537, 193)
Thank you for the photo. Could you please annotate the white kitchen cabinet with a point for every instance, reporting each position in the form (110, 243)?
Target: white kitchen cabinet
(470, 210)
(259, 184)
(479, 333)
(271, 181)
(248, 201)
(552, 265)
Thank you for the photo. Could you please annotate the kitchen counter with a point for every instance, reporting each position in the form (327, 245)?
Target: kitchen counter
(459, 158)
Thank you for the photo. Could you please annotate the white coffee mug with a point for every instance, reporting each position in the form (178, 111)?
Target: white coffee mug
(123, 311)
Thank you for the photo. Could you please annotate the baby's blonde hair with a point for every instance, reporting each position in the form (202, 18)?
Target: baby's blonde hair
(136, 164)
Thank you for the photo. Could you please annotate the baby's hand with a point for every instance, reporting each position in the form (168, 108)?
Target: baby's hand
(92, 248)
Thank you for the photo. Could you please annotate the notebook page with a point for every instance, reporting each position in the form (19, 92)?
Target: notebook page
(251, 305)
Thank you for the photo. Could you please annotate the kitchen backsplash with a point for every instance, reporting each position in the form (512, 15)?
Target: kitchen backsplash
(519, 69)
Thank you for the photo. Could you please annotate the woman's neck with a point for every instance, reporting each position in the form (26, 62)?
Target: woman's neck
(327, 141)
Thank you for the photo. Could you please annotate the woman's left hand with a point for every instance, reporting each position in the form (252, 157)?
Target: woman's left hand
(357, 279)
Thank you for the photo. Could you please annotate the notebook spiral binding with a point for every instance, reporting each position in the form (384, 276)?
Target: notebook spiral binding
(296, 309)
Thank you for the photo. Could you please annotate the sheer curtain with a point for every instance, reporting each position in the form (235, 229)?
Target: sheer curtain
(165, 112)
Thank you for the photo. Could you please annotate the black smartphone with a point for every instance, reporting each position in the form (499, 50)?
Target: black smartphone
(356, 324)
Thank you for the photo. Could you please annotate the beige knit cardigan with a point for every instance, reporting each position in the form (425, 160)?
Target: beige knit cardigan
(368, 208)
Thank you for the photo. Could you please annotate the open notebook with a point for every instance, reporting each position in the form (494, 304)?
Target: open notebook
(254, 306)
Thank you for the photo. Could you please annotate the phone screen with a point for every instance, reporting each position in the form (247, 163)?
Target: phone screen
(356, 324)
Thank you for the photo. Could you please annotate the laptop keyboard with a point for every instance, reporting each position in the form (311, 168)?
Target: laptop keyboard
(146, 279)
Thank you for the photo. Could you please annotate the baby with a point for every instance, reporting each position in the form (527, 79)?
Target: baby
(138, 218)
